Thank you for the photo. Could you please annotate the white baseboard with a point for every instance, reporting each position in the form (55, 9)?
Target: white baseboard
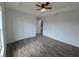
(61, 40)
(20, 39)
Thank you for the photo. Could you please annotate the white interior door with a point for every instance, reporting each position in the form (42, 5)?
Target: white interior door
(0, 30)
(0, 39)
(1, 35)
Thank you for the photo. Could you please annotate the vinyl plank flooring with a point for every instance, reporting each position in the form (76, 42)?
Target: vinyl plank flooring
(41, 46)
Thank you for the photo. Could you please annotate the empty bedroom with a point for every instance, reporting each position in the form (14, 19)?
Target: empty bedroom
(39, 29)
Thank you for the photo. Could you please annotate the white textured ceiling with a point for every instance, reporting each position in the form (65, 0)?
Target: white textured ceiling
(31, 8)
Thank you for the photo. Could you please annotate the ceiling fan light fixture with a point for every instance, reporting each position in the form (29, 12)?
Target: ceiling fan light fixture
(44, 7)
(43, 10)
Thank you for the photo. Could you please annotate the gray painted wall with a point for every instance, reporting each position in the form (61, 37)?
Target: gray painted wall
(19, 25)
(63, 27)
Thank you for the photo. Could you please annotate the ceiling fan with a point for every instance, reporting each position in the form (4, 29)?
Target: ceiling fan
(43, 7)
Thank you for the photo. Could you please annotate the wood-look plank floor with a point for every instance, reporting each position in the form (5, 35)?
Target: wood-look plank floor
(41, 46)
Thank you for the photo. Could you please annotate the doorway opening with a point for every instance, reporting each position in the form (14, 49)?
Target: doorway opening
(39, 26)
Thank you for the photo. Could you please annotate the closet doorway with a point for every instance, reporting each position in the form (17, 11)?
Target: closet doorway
(39, 26)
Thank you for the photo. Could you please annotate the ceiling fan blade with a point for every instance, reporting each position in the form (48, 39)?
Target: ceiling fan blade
(38, 5)
(47, 3)
(48, 7)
